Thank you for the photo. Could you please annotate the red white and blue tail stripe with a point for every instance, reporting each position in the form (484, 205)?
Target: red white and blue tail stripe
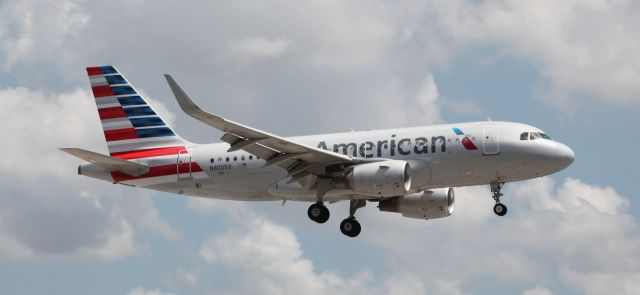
(132, 128)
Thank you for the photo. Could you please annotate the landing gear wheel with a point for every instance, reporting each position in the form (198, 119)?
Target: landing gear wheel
(350, 227)
(496, 188)
(318, 212)
(500, 209)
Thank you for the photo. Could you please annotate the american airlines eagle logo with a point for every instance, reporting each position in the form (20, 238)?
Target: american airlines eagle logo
(467, 142)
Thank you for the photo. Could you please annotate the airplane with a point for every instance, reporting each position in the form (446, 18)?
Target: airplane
(411, 171)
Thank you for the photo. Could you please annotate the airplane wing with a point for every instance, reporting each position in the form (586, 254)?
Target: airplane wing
(297, 158)
(109, 163)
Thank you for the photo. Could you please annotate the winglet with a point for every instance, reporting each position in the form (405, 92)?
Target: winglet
(188, 106)
(109, 163)
(184, 100)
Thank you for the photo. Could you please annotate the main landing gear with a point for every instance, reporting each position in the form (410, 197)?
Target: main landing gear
(499, 209)
(318, 212)
(350, 227)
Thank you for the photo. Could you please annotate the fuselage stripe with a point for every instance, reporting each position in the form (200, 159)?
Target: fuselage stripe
(157, 171)
(147, 153)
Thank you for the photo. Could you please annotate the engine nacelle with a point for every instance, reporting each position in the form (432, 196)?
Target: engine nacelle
(385, 178)
(429, 204)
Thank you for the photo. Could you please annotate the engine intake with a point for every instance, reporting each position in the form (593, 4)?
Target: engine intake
(386, 178)
(429, 204)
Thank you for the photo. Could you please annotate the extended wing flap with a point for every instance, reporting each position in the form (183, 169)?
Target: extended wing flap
(107, 162)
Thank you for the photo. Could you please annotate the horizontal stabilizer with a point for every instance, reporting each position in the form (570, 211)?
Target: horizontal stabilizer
(106, 162)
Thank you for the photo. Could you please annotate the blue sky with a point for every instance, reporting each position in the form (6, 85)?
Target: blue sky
(316, 67)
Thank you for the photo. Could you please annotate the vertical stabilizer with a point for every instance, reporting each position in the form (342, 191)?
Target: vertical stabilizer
(132, 128)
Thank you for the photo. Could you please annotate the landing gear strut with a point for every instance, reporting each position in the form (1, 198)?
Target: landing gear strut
(350, 226)
(499, 209)
(318, 212)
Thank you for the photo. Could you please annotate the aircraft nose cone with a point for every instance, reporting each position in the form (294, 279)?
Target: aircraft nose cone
(564, 155)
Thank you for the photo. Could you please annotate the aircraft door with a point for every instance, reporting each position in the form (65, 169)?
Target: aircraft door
(183, 164)
(490, 140)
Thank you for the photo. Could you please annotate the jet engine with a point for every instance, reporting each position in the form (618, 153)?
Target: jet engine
(385, 178)
(436, 203)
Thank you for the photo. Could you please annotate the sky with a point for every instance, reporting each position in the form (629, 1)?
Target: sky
(302, 67)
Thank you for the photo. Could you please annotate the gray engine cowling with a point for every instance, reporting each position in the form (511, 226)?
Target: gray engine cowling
(436, 203)
(385, 178)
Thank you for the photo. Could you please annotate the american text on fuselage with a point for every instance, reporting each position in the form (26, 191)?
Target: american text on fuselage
(403, 146)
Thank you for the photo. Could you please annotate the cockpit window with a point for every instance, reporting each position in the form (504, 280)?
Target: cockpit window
(545, 136)
(534, 135)
(524, 136)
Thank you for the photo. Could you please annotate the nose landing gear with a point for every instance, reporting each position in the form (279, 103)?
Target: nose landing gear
(499, 209)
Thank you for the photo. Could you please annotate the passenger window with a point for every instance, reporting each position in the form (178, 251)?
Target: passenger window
(235, 158)
(250, 157)
(534, 136)
(524, 136)
(242, 158)
(219, 159)
(227, 159)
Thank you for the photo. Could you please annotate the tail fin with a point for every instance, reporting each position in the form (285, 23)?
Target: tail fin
(131, 127)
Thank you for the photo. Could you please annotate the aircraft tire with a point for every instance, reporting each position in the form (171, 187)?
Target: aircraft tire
(318, 212)
(350, 227)
(500, 209)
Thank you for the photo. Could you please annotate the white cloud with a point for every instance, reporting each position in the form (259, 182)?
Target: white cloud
(259, 47)
(566, 234)
(404, 283)
(594, 283)
(427, 99)
(204, 205)
(49, 210)
(575, 193)
(188, 277)
(335, 56)
(267, 256)
(537, 291)
(35, 31)
(142, 291)
(261, 254)
(583, 49)
(463, 107)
